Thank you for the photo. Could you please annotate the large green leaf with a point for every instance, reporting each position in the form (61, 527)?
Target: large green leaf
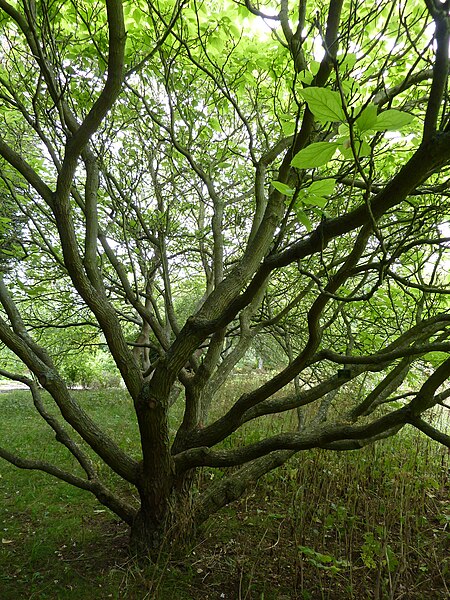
(324, 104)
(367, 118)
(324, 187)
(313, 200)
(303, 219)
(315, 155)
(283, 188)
(392, 120)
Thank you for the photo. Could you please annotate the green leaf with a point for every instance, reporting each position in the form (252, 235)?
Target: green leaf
(137, 16)
(314, 65)
(315, 200)
(307, 550)
(325, 104)
(217, 43)
(214, 123)
(324, 558)
(391, 559)
(324, 187)
(283, 188)
(367, 118)
(288, 128)
(305, 77)
(348, 62)
(315, 155)
(303, 219)
(392, 120)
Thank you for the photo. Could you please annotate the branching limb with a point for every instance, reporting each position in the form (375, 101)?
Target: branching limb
(107, 97)
(61, 435)
(177, 10)
(431, 431)
(388, 95)
(27, 172)
(425, 398)
(233, 486)
(102, 444)
(39, 465)
(383, 390)
(344, 445)
(440, 68)
(101, 492)
(289, 441)
(255, 11)
(384, 357)
(426, 159)
(92, 484)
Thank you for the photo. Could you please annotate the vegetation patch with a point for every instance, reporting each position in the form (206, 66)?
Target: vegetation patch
(373, 523)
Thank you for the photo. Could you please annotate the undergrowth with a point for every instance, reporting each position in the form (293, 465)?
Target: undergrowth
(373, 523)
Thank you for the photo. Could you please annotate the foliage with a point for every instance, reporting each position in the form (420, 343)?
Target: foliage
(93, 371)
(192, 186)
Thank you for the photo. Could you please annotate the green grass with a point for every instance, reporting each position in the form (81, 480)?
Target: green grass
(368, 524)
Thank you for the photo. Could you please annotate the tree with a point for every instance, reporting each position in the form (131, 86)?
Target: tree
(204, 179)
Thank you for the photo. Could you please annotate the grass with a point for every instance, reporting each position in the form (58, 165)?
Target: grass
(368, 524)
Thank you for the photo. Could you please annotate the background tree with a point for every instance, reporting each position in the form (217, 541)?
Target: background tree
(193, 185)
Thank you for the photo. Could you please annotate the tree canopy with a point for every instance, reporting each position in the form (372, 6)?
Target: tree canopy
(197, 186)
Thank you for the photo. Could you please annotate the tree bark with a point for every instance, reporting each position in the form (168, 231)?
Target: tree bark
(165, 516)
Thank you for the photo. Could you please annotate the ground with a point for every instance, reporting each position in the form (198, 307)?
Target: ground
(368, 524)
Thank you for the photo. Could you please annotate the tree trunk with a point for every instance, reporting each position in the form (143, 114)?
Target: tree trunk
(164, 495)
(147, 535)
(163, 519)
(156, 475)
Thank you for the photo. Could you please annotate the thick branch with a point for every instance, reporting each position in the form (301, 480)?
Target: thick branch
(104, 102)
(425, 398)
(289, 441)
(231, 488)
(431, 431)
(440, 71)
(40, 465)
(27, 172)
(102, 493)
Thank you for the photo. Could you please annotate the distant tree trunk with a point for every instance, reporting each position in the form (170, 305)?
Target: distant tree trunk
(142, 352)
